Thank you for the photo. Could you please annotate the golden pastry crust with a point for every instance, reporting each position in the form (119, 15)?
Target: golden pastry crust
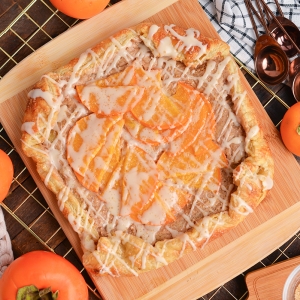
(187, 56)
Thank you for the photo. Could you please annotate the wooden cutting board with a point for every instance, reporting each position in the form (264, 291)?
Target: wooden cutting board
(196, 274)
(268, 282)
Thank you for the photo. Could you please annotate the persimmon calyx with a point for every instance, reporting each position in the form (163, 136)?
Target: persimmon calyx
(31, 292)
(298, 129)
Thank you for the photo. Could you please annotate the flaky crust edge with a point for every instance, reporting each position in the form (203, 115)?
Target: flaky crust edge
(254, 169)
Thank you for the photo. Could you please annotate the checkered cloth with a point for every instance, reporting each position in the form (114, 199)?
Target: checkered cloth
(231, 20)
(6, 255)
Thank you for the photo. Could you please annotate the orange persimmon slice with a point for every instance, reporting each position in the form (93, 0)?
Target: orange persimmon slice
(85, 139)
(124, 78)
(163, 207)
(193, 171)
(116, 156)
(114, 100)
(213, 177)
(139, 131)
(152, 136)
(112, 193)
(139, 179)
(202, 115)
(156, 109)
(113, 95)
(99, 165)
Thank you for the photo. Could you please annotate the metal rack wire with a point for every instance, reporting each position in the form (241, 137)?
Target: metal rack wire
(16, 44)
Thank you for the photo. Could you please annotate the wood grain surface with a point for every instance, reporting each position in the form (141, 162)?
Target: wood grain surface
(268, 283)
(271, 225)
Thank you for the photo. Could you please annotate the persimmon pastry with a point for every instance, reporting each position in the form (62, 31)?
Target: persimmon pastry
(150, 144)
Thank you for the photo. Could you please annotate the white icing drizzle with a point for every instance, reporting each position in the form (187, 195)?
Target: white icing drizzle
(106, 267)
(267, 182)
(92, 137)
(250, 135)
(46, 181)
(147, 232)
(108, 98)
(238, 99)
(53, 102)
(241, 206)
(186, 240)
(28, 127)
(185, 42)
(34, 148)
(188, 41)
(79, 67)
(165, 48)
(173, 232)
(63, 197)
(153, 29)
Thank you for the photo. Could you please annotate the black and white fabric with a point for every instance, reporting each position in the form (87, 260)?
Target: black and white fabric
(231, 20)
(6, 254)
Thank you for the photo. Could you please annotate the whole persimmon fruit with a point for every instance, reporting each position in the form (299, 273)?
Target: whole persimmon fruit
(290, 129)
(6, 174)
(80, 9)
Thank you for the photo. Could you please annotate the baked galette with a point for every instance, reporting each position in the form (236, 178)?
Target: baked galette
(150, 144)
